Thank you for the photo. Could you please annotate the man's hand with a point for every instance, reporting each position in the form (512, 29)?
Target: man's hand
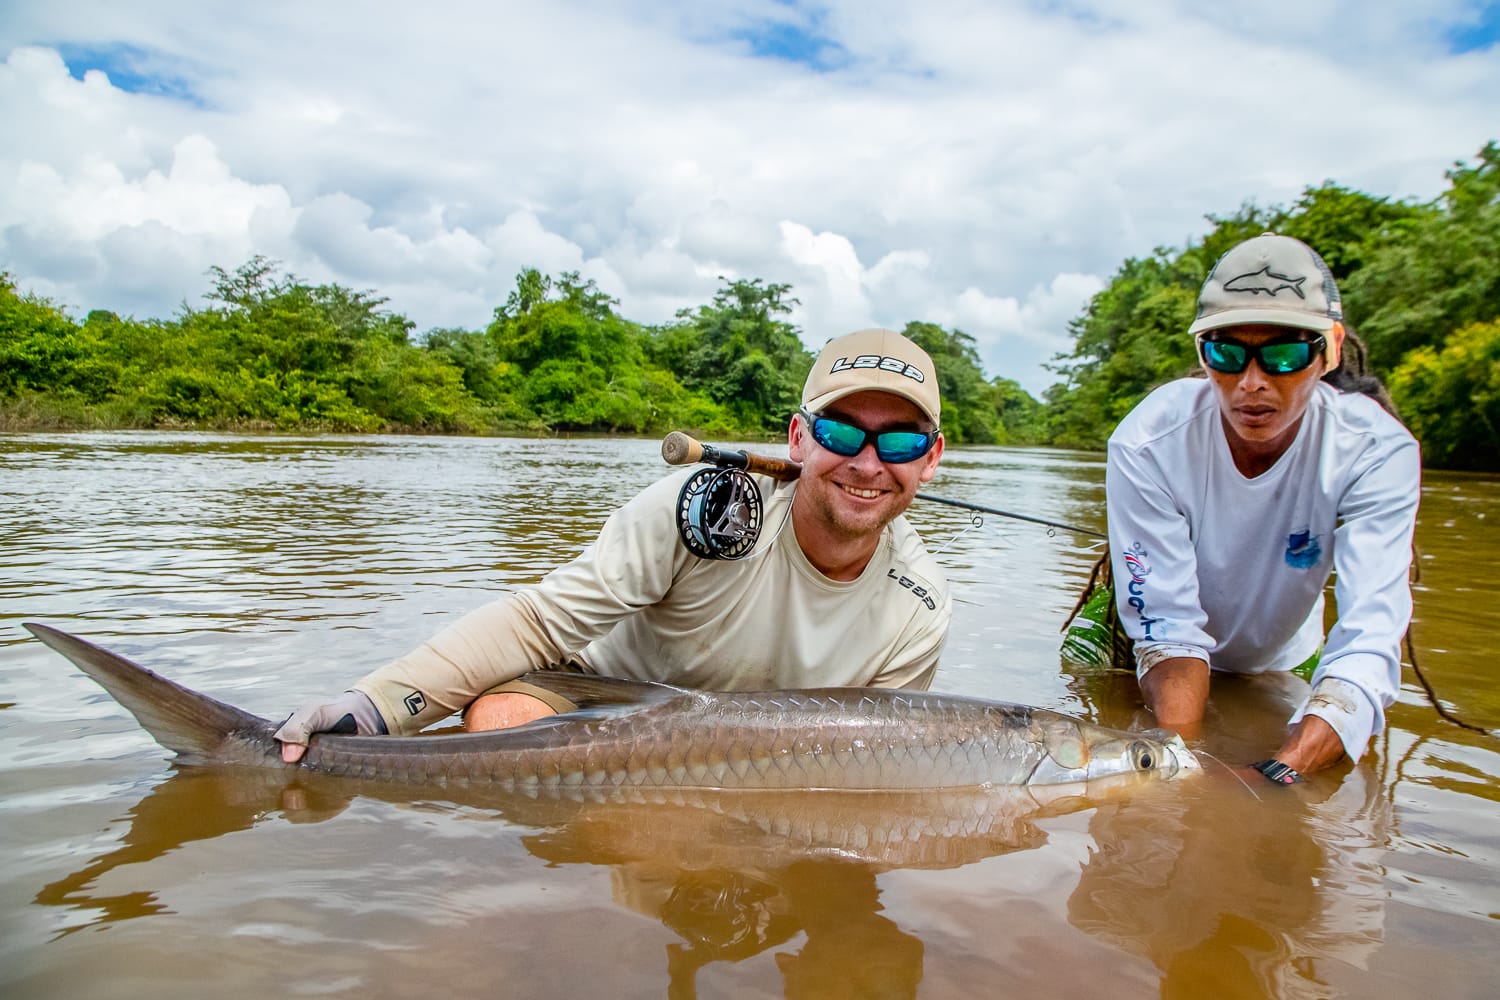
(351, 712)
(1311, 746)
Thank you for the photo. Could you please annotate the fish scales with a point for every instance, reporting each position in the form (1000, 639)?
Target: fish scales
(853, 741)
(786, 748)
(631, 734)
(821, 742)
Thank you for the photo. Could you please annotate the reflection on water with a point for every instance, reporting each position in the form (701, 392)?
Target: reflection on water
(266, 570)
(1294, 897)
(731, 875)
(1266, 891)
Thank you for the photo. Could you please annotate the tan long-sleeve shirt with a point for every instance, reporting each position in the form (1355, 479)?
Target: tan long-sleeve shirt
(636, 603)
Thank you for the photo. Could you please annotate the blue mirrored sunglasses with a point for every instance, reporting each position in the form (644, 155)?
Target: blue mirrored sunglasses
(896, 447)
(1280, 357)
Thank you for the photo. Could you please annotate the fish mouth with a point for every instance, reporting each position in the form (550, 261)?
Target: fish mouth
(1182, 756)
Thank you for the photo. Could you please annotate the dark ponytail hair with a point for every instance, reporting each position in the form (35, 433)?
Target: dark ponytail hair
(1353, 373)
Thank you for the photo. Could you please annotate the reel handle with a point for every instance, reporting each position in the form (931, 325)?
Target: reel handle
(678, 448)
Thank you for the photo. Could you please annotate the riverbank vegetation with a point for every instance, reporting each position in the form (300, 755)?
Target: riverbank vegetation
(1421, 287)
(1421, 283)
(272, 352)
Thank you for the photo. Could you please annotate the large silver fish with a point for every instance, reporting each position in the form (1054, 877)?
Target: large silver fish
(641, 736)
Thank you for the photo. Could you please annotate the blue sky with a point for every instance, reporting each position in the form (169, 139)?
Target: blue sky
(130, 68)
(1478, 32)
(794, 37)
(982, 165)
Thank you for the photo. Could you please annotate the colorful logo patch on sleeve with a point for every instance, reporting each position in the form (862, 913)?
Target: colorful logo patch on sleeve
(1152, 628)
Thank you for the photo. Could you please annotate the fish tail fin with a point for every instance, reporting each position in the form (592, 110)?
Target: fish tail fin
(179, 718)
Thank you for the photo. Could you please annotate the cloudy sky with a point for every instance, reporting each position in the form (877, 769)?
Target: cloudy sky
(983, 165)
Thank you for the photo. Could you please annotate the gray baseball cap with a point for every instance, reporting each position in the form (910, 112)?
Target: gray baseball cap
(1269, 279)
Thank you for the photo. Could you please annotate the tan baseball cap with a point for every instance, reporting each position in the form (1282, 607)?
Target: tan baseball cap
(1269, 279)
(880, 360)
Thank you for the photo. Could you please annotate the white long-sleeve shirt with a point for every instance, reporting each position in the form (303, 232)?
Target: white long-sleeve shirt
(638, 604)
(1230, 570)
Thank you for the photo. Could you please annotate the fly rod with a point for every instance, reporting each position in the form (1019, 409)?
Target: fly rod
(678, 448)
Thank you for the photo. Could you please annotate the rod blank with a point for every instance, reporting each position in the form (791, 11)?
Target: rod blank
(678, 448)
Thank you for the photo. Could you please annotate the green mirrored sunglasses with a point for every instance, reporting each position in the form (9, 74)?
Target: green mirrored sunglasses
(1279, 357)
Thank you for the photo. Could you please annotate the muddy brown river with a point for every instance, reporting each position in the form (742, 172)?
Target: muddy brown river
(265, 570)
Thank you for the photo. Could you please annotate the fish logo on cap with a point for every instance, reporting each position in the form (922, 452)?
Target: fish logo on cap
(1245, 286)
(1265, 280)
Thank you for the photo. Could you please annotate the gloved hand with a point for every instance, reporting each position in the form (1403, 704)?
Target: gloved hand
(351, 712)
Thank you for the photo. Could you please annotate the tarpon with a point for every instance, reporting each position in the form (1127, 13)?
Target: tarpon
(640, 735)
(1265, 280)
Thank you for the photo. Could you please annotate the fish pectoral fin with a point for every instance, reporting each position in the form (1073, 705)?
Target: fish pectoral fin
(592, 691)
(1066, 750)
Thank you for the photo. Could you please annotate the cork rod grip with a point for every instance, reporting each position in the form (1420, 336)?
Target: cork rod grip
(678, 448)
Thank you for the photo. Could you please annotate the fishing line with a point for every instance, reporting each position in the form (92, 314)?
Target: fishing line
(975, 521)
(1232, 772)
(966, 505)
(1432, 696)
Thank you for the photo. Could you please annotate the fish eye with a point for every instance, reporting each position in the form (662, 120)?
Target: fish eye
(1142, 754)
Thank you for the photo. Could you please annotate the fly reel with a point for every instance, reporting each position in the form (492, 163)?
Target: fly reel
(719, 513)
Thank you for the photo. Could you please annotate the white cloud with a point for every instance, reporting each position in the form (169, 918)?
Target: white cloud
(981, 166)
(522, 241)
(832, 276)
(1014, 336)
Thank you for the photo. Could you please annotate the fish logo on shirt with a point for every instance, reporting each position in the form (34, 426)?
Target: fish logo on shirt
(1265, 280)
(1303, 550)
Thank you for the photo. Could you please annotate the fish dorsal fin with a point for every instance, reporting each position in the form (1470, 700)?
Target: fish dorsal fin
(590, 691)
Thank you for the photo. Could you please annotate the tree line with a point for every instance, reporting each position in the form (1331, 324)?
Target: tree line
(272, 352)
(1421, 287)
(1421, 284)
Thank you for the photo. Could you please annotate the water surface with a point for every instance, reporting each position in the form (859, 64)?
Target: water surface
(266, 570)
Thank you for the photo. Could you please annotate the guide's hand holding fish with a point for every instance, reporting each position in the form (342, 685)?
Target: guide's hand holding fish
(351, 713)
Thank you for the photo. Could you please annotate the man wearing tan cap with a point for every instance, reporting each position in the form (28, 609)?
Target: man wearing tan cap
(838, 591)
(1232, 498)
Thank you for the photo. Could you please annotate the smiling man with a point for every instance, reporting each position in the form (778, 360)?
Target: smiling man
(838, 591)
(1232, 498)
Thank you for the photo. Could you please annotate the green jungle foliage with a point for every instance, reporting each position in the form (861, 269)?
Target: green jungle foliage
(1421, 285)
(277, 354)
(738, 353)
